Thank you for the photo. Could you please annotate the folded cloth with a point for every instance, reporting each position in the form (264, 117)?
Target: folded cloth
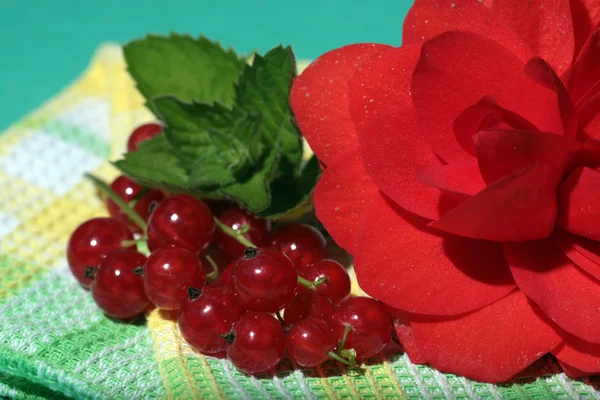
(55, 343)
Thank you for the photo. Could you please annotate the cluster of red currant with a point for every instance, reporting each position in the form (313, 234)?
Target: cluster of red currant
(238, 311)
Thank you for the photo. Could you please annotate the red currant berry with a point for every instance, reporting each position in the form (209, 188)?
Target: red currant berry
(265, 280)
(93, 240)
(307, 305)
(182, 221)
(256, 230)
(371, 325)
(207, 315)
(303, 244)
(257, 343)
(337, 285)
(168, 274)
(226, 277)
(118, 288)
(310, 341)
(128, 190)
(143, 133)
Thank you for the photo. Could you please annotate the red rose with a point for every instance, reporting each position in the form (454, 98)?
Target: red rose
(462, 171)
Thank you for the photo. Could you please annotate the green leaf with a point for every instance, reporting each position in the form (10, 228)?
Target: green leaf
(229, 130)
(186, 67)
(264, 87)
(218, 161)
(288, 193)
(217, 145)
(155, 164)
(254, 193)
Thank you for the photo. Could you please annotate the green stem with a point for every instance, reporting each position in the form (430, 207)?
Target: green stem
(304, 282)
(320, 281)
(214, 274)
(343, 341)
(312, 285)
(106, 189)
(234, 234)
(134, 242)
(342, 360)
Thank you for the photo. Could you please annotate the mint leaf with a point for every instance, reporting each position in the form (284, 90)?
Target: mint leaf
(217, 145)
(183, 66)
(288, 193)
(254, 193)
(264, 87)
(154, 164)
(229, 130)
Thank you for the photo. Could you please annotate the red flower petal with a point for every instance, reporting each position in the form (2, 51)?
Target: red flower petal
(584, 73)
(586, 14)
(579, 203)
(582, 251)
(573, 372)
(588, 156)
(486, 114)
(520, 207)
(501, 153)
(405, 264)
(456, 70)
(428, 18)
(545, 26)
(405, 335)
(589, 114)
(319, 99)
(578, 354)
(566, 294)
(541, 72)
(341, 196)
(460, 181)
(491, 344)
(390, 144)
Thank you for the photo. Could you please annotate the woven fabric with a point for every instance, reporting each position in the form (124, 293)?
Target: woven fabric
(54, 343)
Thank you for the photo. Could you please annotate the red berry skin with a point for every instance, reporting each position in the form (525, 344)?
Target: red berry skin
(265, 281)
(128, 190)
(181, 221)
(310, 341)
(308, 305)
(258, 232)
(93, 240)
(168, 274)
(202, 321)
(259, 343)
(337, 286)
(226, 277)
(116, 288)
(303, 244)
(371, 325)
(143, 133)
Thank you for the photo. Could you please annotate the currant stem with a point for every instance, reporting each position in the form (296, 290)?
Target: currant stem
(320, 281)
(234, 234)
(311, 285)
(349, 354)
(343, 341)
(106, 189)
(214, 274)
(127, 243)
(305, 282)
(341, 359)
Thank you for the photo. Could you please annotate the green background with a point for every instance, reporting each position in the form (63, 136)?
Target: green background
(46, 44)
